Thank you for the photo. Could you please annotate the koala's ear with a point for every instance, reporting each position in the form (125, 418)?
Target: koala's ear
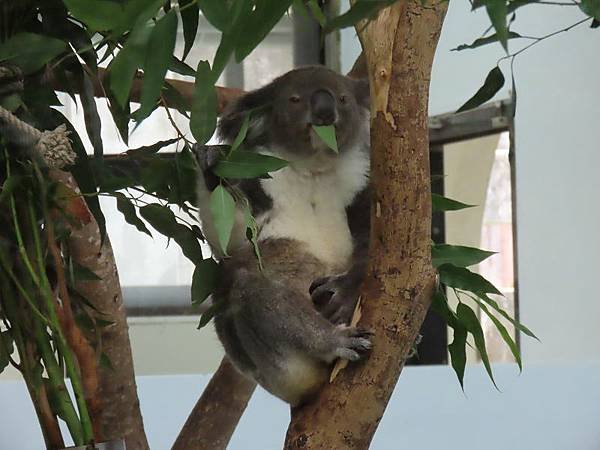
(362, 93)
(256, 103)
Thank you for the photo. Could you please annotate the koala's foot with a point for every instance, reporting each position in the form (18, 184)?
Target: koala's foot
(335, 297)
(353, 343)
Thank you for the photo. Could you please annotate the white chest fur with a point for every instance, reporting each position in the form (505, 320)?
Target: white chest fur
(310, 206)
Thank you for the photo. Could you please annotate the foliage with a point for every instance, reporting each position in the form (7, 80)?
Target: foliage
(66, 41)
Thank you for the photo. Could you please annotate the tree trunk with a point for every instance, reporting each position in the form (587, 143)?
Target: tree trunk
(213, 420)
(399, 46)
(120, 416)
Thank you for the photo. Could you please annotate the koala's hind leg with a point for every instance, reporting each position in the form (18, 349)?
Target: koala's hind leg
(287, 340)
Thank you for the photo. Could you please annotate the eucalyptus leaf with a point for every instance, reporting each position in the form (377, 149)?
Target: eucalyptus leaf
(159, 53)
(148, 150)
(99, 15)
(362, 9)
(212, 310)
(30, 51)
(485, 41)
(204, 280)
(441, 203)
(462, 278)
(6, 349)
(457, 255)
(241, 134)
(131, 57)
(512, 345)
(471, 322)
(127, 208)
(204, 105)
(497, 11)
(257, 24)
(327, 135)
(190, 15)
(591, 8)
(222, 206)
(163, 220)
(317, 13)
(492, 84)
(246, 164)
(216, 13)
(458, 352)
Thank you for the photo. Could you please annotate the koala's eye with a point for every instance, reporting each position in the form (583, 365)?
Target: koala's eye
(343, 99)
(295, 99)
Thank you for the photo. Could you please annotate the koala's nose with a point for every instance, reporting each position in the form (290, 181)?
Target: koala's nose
(322, 107)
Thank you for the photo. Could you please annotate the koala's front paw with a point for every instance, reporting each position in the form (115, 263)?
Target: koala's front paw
(335, 297)
(208, 156)
(354, 342)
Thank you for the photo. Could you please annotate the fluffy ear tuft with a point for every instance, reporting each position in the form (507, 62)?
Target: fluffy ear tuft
(361, 90)
(256, 103)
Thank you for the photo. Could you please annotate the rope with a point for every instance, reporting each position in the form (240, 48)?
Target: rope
(53, 146)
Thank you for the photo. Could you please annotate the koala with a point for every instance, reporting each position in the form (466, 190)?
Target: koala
(284, 325)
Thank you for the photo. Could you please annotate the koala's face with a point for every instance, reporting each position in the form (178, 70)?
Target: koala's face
(284, 111)
(317, 96)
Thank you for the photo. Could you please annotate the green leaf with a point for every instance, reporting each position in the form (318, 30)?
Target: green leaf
(6, 349)
(99, 15)
(82, 273)
(206, 317)
(163, 220)
(216, 13)
(462, 278)
(256, 25)
(30, 51)
(458, 352)
(492, 84)
(124, 67)
(252, 232)
(204, 280)
(516, 4)
(365, 9)
(93, 124)
(105, 362)
(241, 134)
(222, 206)
(204, 105)
(485, 41)
(181, 68)
(149, 150)
(519, 326)
(246, 164)
(441, 203)
(159, 53)
(136, 12)
(327, 135)
(512, 345)
(190, 14)
(457, 255)
(126, 208)
(497, 11)
(591, 8)
(471, 322)
(315, 9)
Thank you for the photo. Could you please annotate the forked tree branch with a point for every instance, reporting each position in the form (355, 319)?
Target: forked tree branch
(399, 46)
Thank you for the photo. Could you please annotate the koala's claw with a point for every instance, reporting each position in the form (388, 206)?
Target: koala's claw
(355, 343)
(335, 297)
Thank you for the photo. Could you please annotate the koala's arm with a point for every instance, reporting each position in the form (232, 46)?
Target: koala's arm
(335, 296)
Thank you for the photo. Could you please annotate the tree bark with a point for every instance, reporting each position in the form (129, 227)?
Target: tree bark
(399, 47)
(120, 415)
(213, 420)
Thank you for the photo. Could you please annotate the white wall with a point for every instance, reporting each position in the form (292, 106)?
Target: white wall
(558, 157)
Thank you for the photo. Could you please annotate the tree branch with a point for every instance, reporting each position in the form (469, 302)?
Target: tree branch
(400, 280)
(213, 420)
(121, 417)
